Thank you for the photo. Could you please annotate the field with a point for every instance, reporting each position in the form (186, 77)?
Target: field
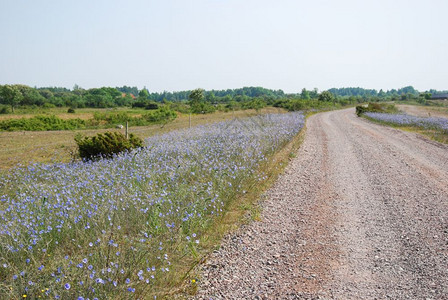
(59, 146)
(424, 111)
(134, 225)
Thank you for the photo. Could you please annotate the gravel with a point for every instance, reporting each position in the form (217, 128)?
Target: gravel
(360, 213)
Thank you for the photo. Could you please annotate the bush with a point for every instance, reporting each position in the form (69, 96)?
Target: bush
(300, 104)
(256, 104)
(203, 108)
(71, 110)
(180, 107)
(376, 107)
(4, 110)
(48, 105)
(41, 123)
(112, 118)
(361, 110)
(163, 114)
(151, 106)
(106, 145)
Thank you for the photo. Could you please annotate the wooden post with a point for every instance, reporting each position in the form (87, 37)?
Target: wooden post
(234, 113)
(189, 120)
(127, 130)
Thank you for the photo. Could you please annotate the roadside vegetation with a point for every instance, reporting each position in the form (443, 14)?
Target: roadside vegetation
(377, 108)
(387, 114)
(134, 225)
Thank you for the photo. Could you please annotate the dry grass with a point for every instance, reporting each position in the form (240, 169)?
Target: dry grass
(59, 146)
(424, 111)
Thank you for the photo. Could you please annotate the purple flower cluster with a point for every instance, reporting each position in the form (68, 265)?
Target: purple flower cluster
(408, 120)
(107, 228)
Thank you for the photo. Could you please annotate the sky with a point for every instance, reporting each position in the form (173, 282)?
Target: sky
(174, 45)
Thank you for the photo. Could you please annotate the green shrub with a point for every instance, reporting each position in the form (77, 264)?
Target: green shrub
(361, 110)
(203, 108)
(71, 110)
(180, 107)
(162, 114)
(106, 145)
(41, 123)
(48, 105)
(256, 104)
(113, 118)
(300, 104)
(4, 109)
(376, 107)
(151, 106)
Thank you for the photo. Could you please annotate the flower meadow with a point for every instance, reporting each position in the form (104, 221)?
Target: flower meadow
(117, 228)
(408, 120)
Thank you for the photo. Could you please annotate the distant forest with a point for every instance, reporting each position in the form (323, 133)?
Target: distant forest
(12, 96)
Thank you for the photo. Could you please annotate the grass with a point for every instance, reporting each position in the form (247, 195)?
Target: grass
(424, 111)
(59, 146)
(242, 210)
(136, 225)
(61, 112)
(432, 133)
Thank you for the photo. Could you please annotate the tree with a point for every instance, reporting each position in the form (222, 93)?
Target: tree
(314, 93)
(210, 97)
(46, 93)
(77, 90)
(257, 104)
(305, 95)
(143, 94)
(196, 98)
(407, 90)
(326, 96)
(30, 96)
(10, 95)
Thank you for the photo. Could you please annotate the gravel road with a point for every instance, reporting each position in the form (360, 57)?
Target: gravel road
(360, 213)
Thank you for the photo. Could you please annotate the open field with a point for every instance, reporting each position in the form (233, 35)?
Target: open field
(57, 146)
(424, 111)
(133, 226)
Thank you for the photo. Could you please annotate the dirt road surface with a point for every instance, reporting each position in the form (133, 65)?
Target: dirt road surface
(360, 213)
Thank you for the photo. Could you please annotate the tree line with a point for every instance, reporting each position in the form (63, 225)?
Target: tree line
(18, 95)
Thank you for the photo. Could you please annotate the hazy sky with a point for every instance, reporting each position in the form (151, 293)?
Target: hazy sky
(218, 44)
